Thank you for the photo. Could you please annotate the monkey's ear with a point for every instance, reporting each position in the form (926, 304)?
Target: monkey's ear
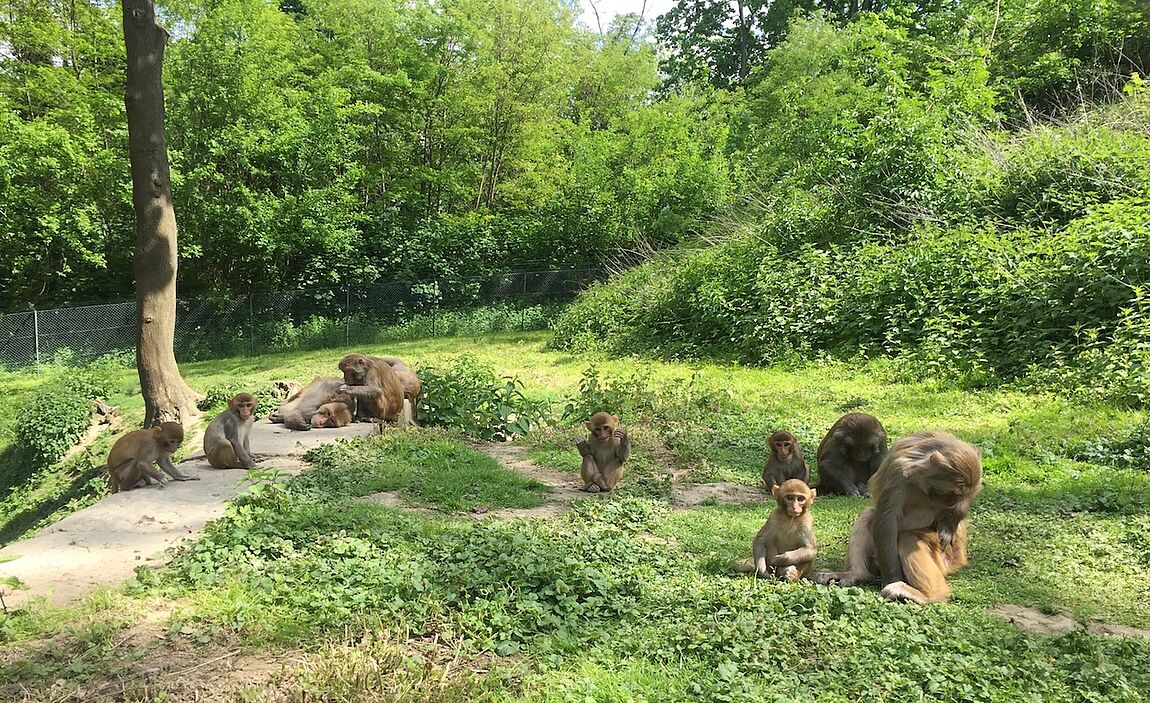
(937, 459)
(814, 494)
(775, 491)
(587, 425)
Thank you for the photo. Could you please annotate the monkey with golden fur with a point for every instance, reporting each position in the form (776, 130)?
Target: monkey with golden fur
(133, 454)
(377, 389)
(604, 452)
(914, 533)
(785, 546)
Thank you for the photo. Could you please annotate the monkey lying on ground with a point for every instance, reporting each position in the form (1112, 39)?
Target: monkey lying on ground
(298, 412)
(914, 533)
(132, 456)
(785, 546)
(226, 443)
(604, 452)
(785, 460)
(850, 453)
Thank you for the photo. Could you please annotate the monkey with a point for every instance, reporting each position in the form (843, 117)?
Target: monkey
(604, 452)
(376, 388)
(337, 412)
(850, 454)
(226, 443)
(914, 533)
(785, 460)
(133, 454)
(411, 383)
(785, 546)
(297, 412)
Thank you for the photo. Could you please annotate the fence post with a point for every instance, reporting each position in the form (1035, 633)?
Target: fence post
(251, 325)
(435, 307)
(36, 336)
(347, 317)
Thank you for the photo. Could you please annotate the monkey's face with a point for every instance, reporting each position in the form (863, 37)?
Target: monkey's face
(783, 449)
(321, 418)
(795, 504)
(244, 409)
(603, 432)
(354, 367)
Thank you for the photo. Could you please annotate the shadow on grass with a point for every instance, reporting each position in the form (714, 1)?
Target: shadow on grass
(74, 479)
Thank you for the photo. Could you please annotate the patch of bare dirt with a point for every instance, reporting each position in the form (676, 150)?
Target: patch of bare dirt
(715, 493)
(1034, 620)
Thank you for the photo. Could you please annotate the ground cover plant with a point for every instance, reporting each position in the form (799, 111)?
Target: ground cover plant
(629, 597)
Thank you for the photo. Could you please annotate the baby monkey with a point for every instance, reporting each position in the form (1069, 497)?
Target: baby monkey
(604, 452)
(785, 546)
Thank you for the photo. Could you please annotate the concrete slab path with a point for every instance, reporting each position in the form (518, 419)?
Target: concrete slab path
(104, 543)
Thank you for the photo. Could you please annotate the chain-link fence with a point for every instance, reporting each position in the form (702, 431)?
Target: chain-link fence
(302, 319)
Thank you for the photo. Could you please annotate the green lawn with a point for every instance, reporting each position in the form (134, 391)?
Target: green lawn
(626, 597)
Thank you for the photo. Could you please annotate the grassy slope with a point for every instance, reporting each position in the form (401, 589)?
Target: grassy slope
(1047, 531)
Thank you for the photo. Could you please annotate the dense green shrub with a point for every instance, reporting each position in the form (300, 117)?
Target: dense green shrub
(1068, 310)
(54, 420)
(467, 396)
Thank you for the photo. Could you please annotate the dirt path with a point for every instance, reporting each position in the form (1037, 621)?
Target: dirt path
(104, 543)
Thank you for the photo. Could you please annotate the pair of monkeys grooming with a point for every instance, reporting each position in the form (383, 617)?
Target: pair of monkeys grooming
(911, 537)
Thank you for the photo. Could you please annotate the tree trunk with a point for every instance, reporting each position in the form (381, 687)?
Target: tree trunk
(166, 396)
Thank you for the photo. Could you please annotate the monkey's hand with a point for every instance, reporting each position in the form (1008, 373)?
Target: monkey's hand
(583, 446)
(620, 434)
(781, 559)
(187, 477)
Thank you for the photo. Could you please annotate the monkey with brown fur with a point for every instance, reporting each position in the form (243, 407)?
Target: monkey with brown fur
(376, 388)
(132, 456)
(914, 533)
(850, 453)
(337, 412)
(226, 444)
(785, 546)
(296, 413)
(411, 383)
(785, 460)
(604, 452)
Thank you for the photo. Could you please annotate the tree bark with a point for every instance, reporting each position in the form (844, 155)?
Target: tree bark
(166, 396)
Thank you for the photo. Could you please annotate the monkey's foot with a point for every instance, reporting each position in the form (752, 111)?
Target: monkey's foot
(592, 488)
(791, 573)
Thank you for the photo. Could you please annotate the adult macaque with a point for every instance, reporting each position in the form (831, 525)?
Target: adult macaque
(411, 383)
(785, 460)
(914, 533)
(785, 546)
(376, 388)
(133, 454)
(226, 440)
(604, 452)
(298, 411)
(335, 413)
(850, 454)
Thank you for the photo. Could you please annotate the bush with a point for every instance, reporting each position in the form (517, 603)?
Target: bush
(470, 398)
(53, 422)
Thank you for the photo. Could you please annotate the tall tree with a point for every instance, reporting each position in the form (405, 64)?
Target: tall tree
(166, 395)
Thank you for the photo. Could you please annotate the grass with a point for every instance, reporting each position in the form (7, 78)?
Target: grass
(623, 598)
(427, 469)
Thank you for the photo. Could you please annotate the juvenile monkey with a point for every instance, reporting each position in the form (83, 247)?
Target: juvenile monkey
(604, 452)
(785, 460)
(133, 454)
(337, 412)
(785, 546)
(914, 533)
(226, 439)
